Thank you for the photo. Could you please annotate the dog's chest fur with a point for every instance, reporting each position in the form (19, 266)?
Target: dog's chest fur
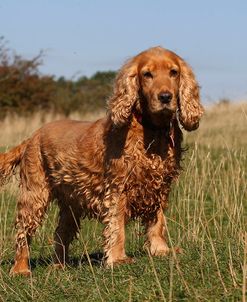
(148, 181)
(140, 178)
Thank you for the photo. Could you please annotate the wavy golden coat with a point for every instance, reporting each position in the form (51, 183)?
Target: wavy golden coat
(114, 169)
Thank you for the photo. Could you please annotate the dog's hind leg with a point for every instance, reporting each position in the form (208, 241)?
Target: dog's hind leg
(32, 204)
(68, 226)
(31, 209)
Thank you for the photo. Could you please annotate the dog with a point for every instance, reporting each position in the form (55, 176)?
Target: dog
(117, 168)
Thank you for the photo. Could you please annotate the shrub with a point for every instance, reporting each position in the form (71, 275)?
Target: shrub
(23, 90)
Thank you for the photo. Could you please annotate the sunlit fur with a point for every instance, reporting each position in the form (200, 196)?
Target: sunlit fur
(117, 168)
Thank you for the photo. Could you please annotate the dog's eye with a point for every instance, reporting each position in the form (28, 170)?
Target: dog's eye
(148, 74)
(173, 72)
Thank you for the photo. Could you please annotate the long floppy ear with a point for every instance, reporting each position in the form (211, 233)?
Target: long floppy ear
(190, 108)
(125, 94)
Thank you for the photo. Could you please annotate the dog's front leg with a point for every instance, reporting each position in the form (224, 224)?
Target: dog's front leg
(156, 231)
(114, 231)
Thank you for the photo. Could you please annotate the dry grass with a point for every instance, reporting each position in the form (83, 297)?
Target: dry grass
(223, 125)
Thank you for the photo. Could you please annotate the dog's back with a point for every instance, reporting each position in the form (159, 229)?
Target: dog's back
(61, 134)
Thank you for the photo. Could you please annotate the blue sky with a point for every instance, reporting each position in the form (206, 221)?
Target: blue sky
(81, 37)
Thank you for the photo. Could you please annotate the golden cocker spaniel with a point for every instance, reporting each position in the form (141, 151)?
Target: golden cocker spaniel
(114, 169)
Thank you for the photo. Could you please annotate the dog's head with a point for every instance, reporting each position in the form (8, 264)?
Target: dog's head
(156, 84)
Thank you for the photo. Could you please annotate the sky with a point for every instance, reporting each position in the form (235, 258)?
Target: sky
(81, 37)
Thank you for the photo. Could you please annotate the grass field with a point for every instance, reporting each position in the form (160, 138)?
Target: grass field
(207, 219)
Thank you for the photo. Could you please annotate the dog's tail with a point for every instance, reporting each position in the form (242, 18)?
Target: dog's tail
(10, 160)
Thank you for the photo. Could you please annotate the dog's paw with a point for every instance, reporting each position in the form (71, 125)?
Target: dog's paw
(120, 261)
(161, 253)
(15, 271)
(157, 248)
(164, 251)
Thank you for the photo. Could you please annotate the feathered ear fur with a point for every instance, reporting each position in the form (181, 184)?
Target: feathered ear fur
(124, 95)
(190, 109)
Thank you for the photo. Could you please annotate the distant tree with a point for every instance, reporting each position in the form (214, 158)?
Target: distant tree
(24, 90)
(104, 77)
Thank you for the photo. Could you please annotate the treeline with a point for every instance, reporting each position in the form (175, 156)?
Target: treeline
(23, 90)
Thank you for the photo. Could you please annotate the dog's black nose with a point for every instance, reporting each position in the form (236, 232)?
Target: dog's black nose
(165, 97)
